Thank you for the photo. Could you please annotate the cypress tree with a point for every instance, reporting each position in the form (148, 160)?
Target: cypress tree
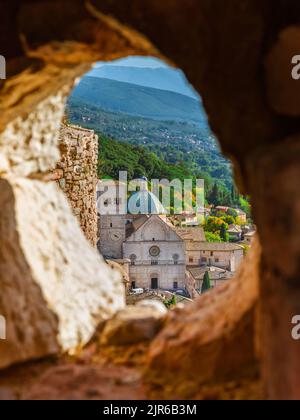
(206, 283)
(215, 195)
(232, 194)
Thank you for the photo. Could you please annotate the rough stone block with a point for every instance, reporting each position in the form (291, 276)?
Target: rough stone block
(55, 288)
(30, 144)
(133, 325)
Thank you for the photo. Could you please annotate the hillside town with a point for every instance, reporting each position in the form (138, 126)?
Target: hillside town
(181, 254)
(171, 254)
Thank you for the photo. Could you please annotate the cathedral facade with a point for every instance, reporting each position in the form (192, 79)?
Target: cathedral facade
(154, 251)
(158, 254)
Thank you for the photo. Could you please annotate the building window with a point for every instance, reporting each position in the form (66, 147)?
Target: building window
(133, 285)
(204, 260)
(133, 259)
(217, 260)
(111, 225)
(191, 259)
(154, 262)
(107, 202)
(175, 285)
(211, 254)
(154, 251)
(176, 259)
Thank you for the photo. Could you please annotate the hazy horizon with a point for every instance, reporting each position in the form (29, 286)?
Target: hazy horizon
(145, 71)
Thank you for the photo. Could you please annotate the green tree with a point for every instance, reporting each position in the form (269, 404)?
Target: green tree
(206, 285)
(169, 303)
(224, 234)
(212, 237)
(214, 196)
(233, 213)
(235, 196)
(230, 220)
(246, 206)
(214, 224)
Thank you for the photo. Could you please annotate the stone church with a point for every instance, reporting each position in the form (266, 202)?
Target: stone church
(146, 240)
(157, 254)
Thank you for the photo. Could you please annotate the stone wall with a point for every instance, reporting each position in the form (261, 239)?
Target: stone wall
(76, 174)
(238, 56)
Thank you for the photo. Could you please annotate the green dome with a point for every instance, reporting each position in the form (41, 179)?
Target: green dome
(145, 202)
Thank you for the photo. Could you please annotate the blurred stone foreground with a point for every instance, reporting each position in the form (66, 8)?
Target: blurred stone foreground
(69, 334)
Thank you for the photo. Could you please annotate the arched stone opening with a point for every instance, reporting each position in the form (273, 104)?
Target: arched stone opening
(215, 62)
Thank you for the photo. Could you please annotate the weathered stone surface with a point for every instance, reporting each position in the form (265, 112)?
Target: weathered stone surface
(203, 37)
(55, 288)
(121, 270)
(132, 325)
(280, 268)
(29, 145)
(217, 331)
(31, 326)
(69, 382)
(283, 90)
(156, 305)
(7, 395)
(79, 156)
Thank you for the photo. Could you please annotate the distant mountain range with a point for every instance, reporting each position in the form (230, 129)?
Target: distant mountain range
(132, 99)
(164, 78)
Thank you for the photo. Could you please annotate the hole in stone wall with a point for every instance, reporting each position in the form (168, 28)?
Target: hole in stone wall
(151, 125)
(205, 30)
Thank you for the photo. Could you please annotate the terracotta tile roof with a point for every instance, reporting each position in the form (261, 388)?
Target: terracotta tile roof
(195, 234)
(212, 246)
(215, 273)
(234, 229)
(135, 225)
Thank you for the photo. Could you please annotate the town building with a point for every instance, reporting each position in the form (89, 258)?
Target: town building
(235, 233)
(249, 237)
(217, 276)
(187, 219)
(242, 216)
(223, 255)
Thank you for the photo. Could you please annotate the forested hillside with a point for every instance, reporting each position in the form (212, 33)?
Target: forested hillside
(115, 156)
(131, 99)
(177, 143)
